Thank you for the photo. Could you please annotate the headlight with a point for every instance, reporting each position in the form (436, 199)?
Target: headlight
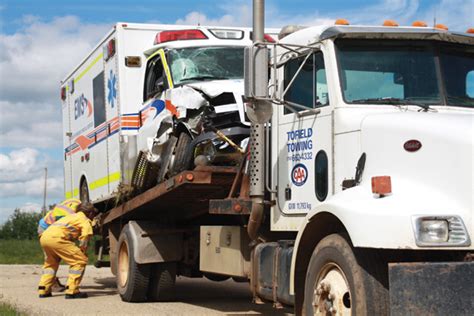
(436, 231)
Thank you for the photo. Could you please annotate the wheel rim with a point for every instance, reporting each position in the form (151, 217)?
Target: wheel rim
(332, 294)
(123, 264)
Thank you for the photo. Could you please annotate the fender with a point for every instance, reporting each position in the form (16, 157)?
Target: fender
(151, 247)
(373, 222)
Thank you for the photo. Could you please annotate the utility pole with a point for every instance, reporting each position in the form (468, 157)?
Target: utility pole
(45, 189)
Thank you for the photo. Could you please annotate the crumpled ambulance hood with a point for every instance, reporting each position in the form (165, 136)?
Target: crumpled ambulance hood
(217, 87)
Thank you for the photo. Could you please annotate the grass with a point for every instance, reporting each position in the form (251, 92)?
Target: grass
(8, 310)
(13, 251)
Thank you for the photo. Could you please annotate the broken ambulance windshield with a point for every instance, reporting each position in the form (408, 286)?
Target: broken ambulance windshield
(206, 63)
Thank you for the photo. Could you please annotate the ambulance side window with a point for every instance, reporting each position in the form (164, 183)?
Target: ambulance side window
(309, 88)
(98, 91)
(154, 79)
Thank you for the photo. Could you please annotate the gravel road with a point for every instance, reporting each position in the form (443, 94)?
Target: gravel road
(18, 287)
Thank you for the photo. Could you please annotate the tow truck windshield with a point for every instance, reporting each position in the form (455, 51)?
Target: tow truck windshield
(406, 73)
(206, 63)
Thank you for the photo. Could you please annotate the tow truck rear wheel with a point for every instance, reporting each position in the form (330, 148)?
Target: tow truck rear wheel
(132, 278)
(340, 283)
(162, 282)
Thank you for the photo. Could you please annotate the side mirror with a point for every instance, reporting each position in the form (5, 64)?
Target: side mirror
(255, 67)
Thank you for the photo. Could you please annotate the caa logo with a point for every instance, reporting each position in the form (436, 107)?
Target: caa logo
(81, 104)
(299, 174)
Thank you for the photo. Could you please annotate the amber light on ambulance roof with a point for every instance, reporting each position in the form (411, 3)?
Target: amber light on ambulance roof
(180, 35)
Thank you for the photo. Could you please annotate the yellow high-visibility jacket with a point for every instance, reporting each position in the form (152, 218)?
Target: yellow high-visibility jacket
(66, 207)
(71, 227)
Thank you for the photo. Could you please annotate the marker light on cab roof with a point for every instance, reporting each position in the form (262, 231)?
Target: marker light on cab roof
(389, 23)
(227, 34)
(441, 27)
(470, 30)
(419, 24)
(341, 22)
(179, 35)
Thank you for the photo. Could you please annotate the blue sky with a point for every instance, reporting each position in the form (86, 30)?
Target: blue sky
(40, 41)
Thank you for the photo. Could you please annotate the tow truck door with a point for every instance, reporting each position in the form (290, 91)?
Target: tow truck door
(304, 135)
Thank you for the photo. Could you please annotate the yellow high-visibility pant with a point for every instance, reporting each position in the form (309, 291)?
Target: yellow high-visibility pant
(56, 249)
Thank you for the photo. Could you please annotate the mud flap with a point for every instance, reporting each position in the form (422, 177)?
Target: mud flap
(425, 288)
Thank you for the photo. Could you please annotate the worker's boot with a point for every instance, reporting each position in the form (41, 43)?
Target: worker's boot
(76, 295)
(43, 292)
(57, 286)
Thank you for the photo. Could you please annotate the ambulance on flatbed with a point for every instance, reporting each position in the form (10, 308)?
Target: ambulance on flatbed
(138, 90)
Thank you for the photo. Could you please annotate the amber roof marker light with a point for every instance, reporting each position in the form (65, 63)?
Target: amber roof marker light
(342, 22)
(419, 24)
(390, 23)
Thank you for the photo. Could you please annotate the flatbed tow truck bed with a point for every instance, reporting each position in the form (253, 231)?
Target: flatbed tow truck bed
(183, 196)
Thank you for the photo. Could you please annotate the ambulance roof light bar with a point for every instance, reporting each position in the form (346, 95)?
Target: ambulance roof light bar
(178, 35)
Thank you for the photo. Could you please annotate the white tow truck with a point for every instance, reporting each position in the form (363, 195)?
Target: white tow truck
(355, 195)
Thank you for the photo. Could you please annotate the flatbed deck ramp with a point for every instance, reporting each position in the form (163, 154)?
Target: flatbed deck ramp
(183, 196)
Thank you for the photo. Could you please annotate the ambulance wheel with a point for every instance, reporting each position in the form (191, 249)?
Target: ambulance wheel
(339, 282)
(184, 154)
(162, 282)
(132, 278)
(84, 192)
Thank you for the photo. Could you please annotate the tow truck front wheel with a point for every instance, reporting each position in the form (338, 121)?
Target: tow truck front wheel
(340, 283)
(132, 278)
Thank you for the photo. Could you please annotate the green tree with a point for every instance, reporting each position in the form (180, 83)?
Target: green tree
(20, 225)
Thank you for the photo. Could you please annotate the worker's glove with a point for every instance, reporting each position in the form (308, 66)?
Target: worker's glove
(83, 246)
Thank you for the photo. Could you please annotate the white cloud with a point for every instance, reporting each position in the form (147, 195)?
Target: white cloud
(22, 174)
(32, 63)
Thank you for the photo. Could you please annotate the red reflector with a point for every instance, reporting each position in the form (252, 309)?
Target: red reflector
(268, 38)
(412, 145)
(168, 36)
(381, 185)
(63, 93)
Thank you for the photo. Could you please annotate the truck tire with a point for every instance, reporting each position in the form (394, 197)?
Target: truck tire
(162, 282)
(132, 278)
(339, 282)
(84, 192)
(183, 154)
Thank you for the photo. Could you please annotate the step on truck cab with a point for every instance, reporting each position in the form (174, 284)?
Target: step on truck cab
(355, 193)
(140, 86)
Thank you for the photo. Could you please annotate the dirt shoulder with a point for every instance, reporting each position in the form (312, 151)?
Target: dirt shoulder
(18, 287)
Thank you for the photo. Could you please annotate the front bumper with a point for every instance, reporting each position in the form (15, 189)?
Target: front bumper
(427, 288)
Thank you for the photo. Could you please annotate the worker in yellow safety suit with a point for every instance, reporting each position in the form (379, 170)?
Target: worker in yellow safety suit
(58, 242)
(62, 209)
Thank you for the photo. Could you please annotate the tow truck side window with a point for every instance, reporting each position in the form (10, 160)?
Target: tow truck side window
(309, 88)
(154, 79)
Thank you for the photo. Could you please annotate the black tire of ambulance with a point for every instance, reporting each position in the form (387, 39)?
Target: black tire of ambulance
(134, 288)
(84, 192)
(184, 154)
(162, 282)
(363, 272)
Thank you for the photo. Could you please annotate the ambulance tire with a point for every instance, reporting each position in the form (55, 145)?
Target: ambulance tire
(132, 278)
(162, 282)
(183, 154)
(84, 192)
(343, 280)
